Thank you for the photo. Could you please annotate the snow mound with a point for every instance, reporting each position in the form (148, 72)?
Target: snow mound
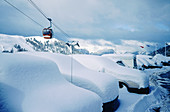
(103, 64)
(151, 102)
(106, 86)
(33, 84)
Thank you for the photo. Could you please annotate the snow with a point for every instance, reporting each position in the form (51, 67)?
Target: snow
(41, 39)
(34, 84)
(103, 64)
(160, 58)
(95, 46)
(153, 61)
(7, 42)
(105, 85)
(145, 102)
(145, 60)
(120, 56)
(127, 59)
(127, 99)
(159, 96)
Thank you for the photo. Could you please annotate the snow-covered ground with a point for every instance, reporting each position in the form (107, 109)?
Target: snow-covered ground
(158, 99)
(34, 84)
(127, 99)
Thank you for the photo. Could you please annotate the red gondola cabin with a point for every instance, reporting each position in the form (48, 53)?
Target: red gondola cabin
(47, 33)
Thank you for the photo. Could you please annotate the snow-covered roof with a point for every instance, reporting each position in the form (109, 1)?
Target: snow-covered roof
(120, 56)
(106, 86)
(103, 64)
(144, 60)
(160, 58)
(149, 60)
(34, 84)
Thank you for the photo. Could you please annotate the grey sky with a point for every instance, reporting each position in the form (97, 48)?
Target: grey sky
(145, 20)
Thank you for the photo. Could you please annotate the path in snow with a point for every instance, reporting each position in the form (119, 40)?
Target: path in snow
(127, 99)
(158, 98)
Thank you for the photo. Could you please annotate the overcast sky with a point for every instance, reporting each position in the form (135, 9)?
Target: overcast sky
(113, 20)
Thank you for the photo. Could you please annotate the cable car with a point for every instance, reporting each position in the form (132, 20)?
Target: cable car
(48, 32)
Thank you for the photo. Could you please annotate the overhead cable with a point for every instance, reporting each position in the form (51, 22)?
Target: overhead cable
(23, 13)
(36, 6)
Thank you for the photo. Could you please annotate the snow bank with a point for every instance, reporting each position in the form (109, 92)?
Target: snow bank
(34, 84)
(145, 102)
(103, 64)
(154, 101)
(106, 86)
(158, 99)
(127, 99)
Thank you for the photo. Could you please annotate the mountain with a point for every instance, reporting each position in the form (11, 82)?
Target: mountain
(104, 51)
(14, 43)
(162, 51)
(46, 45)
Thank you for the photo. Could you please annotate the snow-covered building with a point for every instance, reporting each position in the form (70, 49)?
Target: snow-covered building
(135, 80)
(128, 59)
(105, 85)
(34, 84)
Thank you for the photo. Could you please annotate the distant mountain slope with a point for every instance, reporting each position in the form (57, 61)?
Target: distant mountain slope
(14, 43)
(162, 51)
(11, 43)
(48, 45)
